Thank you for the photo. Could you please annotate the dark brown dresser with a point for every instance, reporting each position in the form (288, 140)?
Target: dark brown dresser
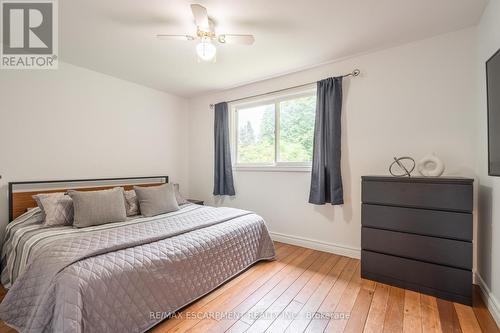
(417, 234)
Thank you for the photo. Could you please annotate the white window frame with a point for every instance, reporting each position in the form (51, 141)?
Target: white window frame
(275, 99)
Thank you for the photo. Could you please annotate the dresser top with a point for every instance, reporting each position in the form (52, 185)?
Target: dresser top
(432, 180)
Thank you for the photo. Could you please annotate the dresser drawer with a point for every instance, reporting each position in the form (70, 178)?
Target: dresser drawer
(429, 249)
(442, 281)
(418, 221)
(442, 196)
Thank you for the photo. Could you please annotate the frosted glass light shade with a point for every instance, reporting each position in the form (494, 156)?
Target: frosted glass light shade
(206, 50)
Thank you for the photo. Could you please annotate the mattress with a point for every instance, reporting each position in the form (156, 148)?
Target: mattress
(118, 277)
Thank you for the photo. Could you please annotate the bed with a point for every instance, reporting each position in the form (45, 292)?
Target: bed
(124, 276)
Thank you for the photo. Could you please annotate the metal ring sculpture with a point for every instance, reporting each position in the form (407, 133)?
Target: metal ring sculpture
(404, 171)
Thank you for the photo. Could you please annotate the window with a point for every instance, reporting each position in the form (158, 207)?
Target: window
(275, 133)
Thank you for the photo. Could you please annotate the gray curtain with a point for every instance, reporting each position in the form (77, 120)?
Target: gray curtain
(326, 178)
(223, 171)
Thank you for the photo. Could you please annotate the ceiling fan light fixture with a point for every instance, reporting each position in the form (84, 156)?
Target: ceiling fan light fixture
(205, 34)
(206, 50)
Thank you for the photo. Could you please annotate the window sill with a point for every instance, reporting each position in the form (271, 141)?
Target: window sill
(272, 168)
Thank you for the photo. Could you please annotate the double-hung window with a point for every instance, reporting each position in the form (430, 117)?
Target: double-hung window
(275, 133)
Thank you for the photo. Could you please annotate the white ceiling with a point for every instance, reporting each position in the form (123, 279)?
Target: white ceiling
(117, 37)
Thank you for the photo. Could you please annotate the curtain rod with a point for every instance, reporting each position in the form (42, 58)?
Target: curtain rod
(354, 73)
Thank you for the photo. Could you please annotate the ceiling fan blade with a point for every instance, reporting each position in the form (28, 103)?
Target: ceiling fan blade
(175, 37)
(237, 39)
(200, 16)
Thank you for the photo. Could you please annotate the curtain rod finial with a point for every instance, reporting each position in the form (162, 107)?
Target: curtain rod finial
(356, 72)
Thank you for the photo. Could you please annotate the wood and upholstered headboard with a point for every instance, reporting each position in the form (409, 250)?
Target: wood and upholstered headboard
(21, 193)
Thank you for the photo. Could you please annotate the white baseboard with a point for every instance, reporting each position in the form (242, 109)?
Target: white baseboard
(491, 302)
(317, 245)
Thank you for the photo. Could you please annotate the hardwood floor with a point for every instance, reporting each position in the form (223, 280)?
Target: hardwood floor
(312, 291)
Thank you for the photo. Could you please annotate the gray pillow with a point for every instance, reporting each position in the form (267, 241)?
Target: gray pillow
(131, 203)
(57, 208)
(98, 207)
(178, 195)
(156, 200)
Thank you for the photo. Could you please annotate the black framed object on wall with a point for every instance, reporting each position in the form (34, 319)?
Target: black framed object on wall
(493, 93)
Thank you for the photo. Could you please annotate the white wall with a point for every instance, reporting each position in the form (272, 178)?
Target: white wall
(74, 123)
(410, 100)
(488, 235)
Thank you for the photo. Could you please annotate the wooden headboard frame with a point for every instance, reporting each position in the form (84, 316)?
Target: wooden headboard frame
(20, 201)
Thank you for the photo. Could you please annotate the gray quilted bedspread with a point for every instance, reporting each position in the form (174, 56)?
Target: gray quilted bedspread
(114, 280)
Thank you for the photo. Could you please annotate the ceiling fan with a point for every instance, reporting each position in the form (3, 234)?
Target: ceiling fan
(206, 35)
